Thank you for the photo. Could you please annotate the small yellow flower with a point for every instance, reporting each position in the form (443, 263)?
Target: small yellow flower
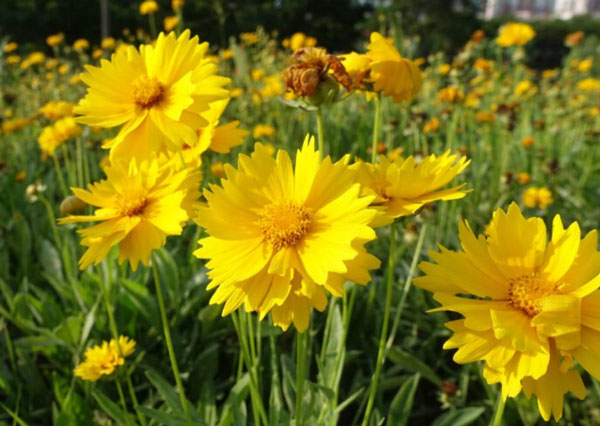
(236, 92)
(547, 74)
(537, 197)
(432, 125)
(485, 117)
(525, 88)
(514, 34)
(34, 58)
(170, 22)
(105, 359)
(76, 79)
(55, 110)
(13, 59)
(51, 63)
(527, 141)
(262, 130)
(451, 94)
(218, 169)
(108, 43)
(55, 39)
(483, 65)
(573, 39)
(21, 176)
(177, 4)
(97, 53)
(257, 74)
(589, 85)
(14, 125)
(524, 178)
(11, 47)
(585, 65)
(63, 69)
(226, 53)
(249, 38)
(444, 69)
(148, 7)
(81, 44)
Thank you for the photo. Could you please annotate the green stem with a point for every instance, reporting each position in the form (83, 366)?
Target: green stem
(376, 126)
(122, 399)
(79, 154)
(300, 374)
(152, 19)
(384, 328)
(320, 137)
(498, 411)
(169, 341)
(59, 175)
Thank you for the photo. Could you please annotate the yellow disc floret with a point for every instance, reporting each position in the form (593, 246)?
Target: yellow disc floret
(526, 290)
(284, 225)
(147, 91)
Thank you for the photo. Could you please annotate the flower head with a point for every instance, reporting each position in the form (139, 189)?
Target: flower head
(148, 7)
(515, 34)
(105, 359)
(10, 47)
(81, 44)
(139, 206)
(55, 39)
(280, 238)
(532, 304)
(157, 94)
(537, 197)
(402, 186)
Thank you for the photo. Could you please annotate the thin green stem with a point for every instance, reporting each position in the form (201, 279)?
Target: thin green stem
(376, 126)
(384, 328)
(169, 341)
(59, 175)
(152, 19)
(300, 374)
(79, 154)
(122, 399)
(498, 411)
(320, 133)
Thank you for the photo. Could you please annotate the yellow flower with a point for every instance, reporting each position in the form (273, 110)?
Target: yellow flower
(485, 117)
(11, 47)
(585, 65)
(444, 69)
(13, 59)
(525, 88)
(226, 53)
(573, 39)
(432, 125)
(157, 94)
(484, 65)
(532, 308)
(384, 68)
(402, 186)
(63, 69)
(280, 238)
(514, 34)
(108, 43)
(261, 130)
(81, 44)
(97, 53)
(451, 94)
(34, 58)
(54, 136)
(299, 40)
(249, 38)
(218, 169)
(148, 7)
(257, 74)
(75, 79)
(549, 74)
(55, 110)
(170, 22)
(14, 125)
(524, 178)
(589, 85)
(527, 141)
(219, 138)
(105, 359)
(537, 197)
(177, 4)
(139, 206)
(51, 63)
(236, 92)
(55, 39)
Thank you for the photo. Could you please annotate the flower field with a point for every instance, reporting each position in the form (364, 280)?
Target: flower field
(268, 233)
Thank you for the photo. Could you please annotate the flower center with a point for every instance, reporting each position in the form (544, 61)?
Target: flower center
(526, 290)
(283, 225)
(132, 206)
(147, 91)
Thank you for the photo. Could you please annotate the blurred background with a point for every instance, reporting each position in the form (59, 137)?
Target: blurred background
(442, 25)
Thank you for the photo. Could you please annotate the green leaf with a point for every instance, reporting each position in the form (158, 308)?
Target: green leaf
(413, 364)
(50, 260)
(163, 418)
(110, 408)
(461, 417)
(401, 405)
(166, 390)
(234, 410)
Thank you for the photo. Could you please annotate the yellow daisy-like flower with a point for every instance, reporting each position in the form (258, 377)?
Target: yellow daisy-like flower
(148, 7)
(280, 238)
(403, 186)
(388, 72)
(514, 34)
(537, 197)
(534, 305)
(157, 93)
(139, 206)
(105, 359)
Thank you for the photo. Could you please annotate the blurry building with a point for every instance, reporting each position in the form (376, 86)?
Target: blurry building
(539, 9)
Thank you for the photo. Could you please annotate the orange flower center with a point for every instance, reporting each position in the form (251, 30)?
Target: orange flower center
(526, 290)
(132, 206)
(147, 91)
(284, 225)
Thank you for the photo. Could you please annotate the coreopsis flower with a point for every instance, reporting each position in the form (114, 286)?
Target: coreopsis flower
(573, 39)
(432, 125)
(105, 359)
(403, 185)
(477, 36)
(524, 178)
(527, 142)
(280, 238)
(177, 4)
(157, 94)
(537, 197)
(589, 85)
(97, 53)
(316, 75)
(13, 125)
(56, 109)
(34, 58)
(55, 39)
(262, 130)
(81, 44)
(170, 22)
(451, 94)
(547, 74)
(383, 69)
(10, 47)
(444, 69)
(514, 34)
(298, 41)
(249, 38)
(139, 205)
(484, 65)
(13, 59)
(585, 65)
(485, 117)
(55, 135)
(148, 7)
(108, 43)
(531, 308)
